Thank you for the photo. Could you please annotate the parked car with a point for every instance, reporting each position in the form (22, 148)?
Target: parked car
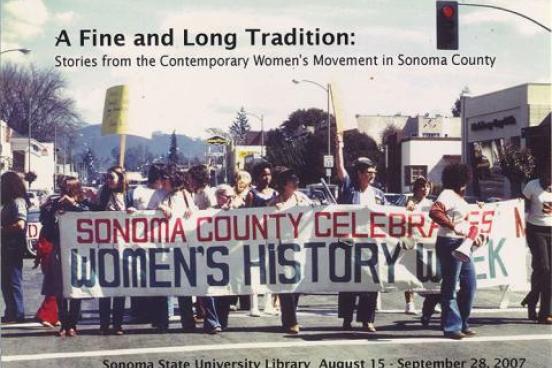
(36, 197)
(33, 199)
(397, 199)
(33, 229)
(319, 195)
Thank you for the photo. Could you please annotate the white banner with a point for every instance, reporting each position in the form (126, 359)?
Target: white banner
(257, 250)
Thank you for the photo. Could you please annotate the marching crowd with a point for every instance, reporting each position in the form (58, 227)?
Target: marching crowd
(176, 192)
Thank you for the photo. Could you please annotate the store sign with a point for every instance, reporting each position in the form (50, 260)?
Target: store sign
(496, 123)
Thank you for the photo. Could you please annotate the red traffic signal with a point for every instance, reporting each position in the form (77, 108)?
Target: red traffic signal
(447, 25)
(448, 11)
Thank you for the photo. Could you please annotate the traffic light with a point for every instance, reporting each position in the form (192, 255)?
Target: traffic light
(447, 25)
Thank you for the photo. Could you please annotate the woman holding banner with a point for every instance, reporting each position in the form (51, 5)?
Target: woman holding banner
(420, 203)
(538, 195)
(450, 211)
(259, 196)
(112, 198)
(174, 201)
(139, 199)
(71, 200)
(204, 197)
(357, 190)
(14, 221)
(287, 185)
(225, 195)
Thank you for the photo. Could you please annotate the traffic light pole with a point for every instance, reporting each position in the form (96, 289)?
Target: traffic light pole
(509, 11)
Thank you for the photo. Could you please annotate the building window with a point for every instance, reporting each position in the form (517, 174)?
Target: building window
(19, 161)
(411, 172)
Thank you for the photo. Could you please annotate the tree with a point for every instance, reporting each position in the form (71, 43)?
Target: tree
(240, 126)
(89, 163)
(457, 107)
(173, 150)
(36, 96)
(518, 165)
(304, 119)
(300, 144)
(389, 131)
(295, 145)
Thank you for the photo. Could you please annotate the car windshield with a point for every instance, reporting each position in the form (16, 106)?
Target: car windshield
(33, 216)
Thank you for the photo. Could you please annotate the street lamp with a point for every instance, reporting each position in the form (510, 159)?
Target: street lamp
(29, 135)
(327, 90)
(23, 51)
(261, 119)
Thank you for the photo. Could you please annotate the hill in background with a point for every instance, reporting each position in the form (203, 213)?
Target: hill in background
(138, 149)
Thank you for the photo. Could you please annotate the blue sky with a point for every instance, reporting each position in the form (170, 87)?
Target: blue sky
(191, 100)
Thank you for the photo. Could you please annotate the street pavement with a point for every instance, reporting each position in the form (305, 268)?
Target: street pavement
(505, 338)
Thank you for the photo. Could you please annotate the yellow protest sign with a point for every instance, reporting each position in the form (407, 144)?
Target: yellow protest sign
(115, 114)
(337, 107)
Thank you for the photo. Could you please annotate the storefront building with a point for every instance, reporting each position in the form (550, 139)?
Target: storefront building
(494, 120)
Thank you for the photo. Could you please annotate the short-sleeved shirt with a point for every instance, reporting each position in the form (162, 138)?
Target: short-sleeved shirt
(298, 199)
(260, 199)
(11, 213)
(142, 198)
(205, 198)
(456, 209)
(537, 196)
(350, 194)
(423, 206)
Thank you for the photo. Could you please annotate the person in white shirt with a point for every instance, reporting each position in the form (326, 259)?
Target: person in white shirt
(450, 212)
(170, 199)
(420, 203)
(538, 195)
(141, 197)
(287, 185)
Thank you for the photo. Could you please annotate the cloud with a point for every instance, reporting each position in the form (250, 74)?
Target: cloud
(536, 9)
(65, 18)
(23, 19)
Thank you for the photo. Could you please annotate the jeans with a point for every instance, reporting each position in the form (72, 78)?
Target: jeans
(538, 239)
(430, 302)
(12, 284)
(456, 307)
(211, 320)
(222, 305)
(106, 310)
(366, 309)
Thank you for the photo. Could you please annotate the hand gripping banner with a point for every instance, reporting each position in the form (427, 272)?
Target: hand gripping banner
(304, 249)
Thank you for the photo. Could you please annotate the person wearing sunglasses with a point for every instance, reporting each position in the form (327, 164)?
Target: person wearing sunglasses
(357, 189)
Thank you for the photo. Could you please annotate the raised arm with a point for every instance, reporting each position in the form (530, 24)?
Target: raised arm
(339, 162)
